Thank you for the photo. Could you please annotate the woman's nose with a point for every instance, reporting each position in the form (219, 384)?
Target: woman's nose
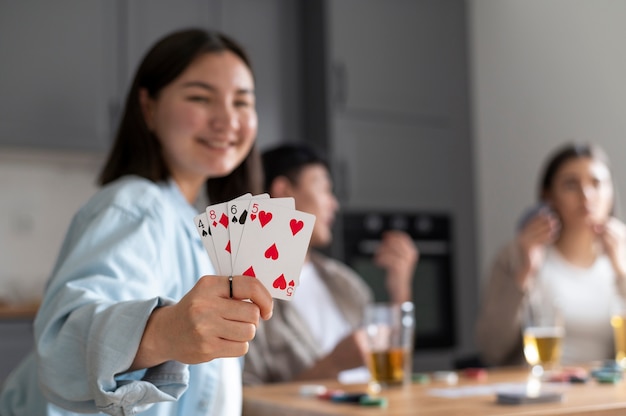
(588, 192)
(223, 117)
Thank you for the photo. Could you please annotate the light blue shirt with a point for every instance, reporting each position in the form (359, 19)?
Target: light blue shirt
(131, 248)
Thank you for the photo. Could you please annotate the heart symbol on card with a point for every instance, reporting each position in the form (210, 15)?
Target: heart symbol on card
(264, 218)
(249, 272)
(295, 226)
(280, 282)
(292, 283)
(271, 252)
(224, 220)
(227, 247)
(252, 217)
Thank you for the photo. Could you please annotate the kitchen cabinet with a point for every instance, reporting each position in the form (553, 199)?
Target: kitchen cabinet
(398, 101)
(67, 64)
(16, 335)
(396, 58)
(57, 73)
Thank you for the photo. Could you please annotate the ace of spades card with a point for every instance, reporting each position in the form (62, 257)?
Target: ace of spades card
(273, 245)
(202, 225)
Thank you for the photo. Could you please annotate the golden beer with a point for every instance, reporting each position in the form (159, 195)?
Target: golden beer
(387, 367)
(542, 345)
(619, 331)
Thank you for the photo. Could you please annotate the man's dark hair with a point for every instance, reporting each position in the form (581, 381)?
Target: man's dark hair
(288, 160)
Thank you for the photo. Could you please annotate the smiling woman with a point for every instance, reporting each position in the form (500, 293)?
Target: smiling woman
(132, 317)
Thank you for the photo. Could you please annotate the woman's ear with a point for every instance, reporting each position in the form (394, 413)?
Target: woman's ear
(147, 108)
(281, 187)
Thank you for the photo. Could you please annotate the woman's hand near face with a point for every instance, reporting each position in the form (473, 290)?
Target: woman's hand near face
(540, 230)
(612, 235)
(206, 323)
(398, 255)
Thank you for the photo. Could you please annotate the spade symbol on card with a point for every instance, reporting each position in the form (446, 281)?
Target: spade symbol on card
(204, 233)
(271, 252)
(242, 218)
(280, 282)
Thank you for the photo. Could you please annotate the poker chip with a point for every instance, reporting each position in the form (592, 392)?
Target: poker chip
(312, 390)
(608, 378)
(328, 394)
(475, 373)
(609, 373)
(373, 401)
(449, 377)
(421, 378)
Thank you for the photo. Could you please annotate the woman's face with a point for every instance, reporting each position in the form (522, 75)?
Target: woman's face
(205, 119)
(582, 192)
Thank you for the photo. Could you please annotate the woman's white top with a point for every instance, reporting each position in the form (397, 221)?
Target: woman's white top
(585, 298)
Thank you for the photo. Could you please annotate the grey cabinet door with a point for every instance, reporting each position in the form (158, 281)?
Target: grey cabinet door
(66, 65)
(16, 341)
(57, 73)
(396, 58)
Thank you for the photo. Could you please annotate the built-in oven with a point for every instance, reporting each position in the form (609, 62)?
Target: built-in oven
(432, 284)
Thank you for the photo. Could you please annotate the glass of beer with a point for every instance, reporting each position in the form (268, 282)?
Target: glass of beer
(618, 322)
(543, 337)
(390, 331)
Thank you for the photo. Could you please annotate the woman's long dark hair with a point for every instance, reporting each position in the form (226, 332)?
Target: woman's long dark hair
(136, 151)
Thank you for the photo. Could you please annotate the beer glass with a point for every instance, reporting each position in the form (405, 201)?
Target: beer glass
(543, 336)
(390, 330)
(618, 322)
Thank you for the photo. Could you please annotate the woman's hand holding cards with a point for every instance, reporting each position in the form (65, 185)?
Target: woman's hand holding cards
(206, 323)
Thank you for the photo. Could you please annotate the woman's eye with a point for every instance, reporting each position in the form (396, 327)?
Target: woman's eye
(570, 185)
(242, 104)
(199, 99)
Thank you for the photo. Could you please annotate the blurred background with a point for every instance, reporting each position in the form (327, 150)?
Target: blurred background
(437, 115)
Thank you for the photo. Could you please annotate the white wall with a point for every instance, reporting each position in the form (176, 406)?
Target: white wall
(39, 194)
(542, 72)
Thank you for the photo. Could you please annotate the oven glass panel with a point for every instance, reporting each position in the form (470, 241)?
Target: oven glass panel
(432, 282)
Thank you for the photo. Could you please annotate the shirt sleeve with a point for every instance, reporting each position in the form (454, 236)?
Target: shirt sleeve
(498, 328)
(107, 282)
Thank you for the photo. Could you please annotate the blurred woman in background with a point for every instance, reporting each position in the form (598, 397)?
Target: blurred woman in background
(570, 253)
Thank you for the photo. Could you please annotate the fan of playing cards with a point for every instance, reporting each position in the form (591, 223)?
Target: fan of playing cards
(258, 236)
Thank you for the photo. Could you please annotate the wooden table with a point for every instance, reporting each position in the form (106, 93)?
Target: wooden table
(590, 398)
